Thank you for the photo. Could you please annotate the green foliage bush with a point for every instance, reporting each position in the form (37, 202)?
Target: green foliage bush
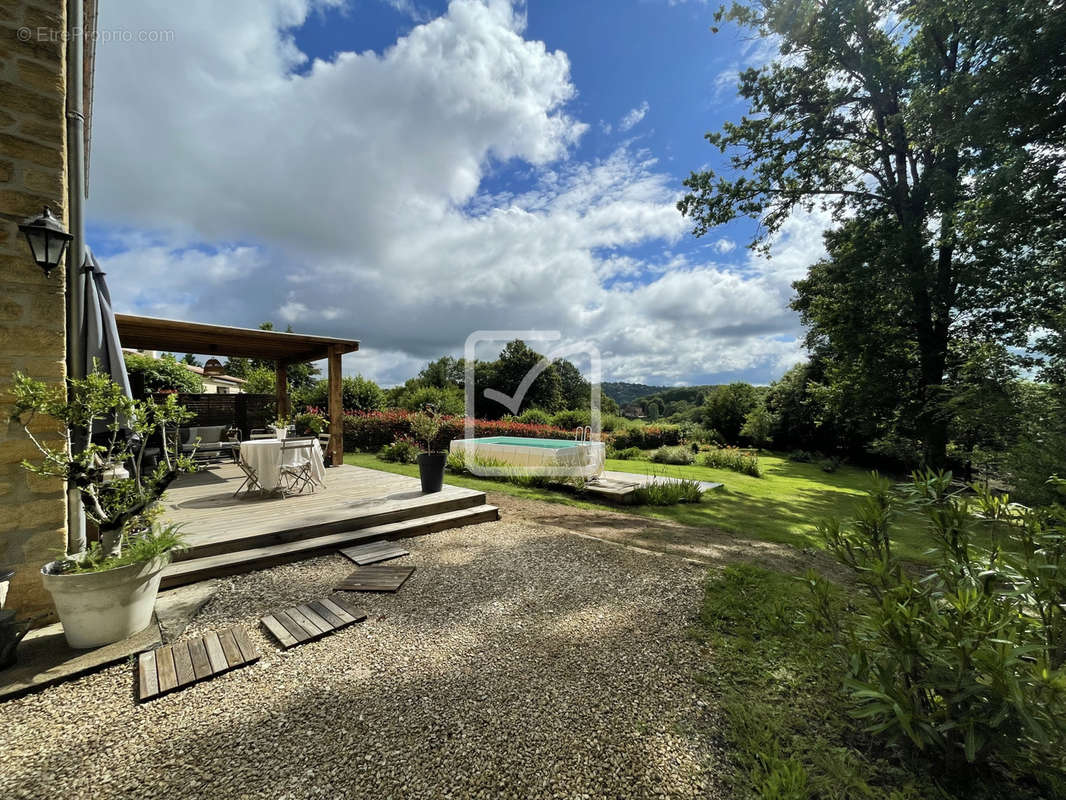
(357, 394)
(163, 374)
(646, 437)
(628, 454)
(402, 451)
(449, 400)
(801, 456)
(568, 420)
(536, 416)
(744, 462)
(962, 663)
(673, 455)
(310, 421)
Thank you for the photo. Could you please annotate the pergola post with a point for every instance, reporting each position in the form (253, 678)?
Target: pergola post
(336, 407)
(281, 387)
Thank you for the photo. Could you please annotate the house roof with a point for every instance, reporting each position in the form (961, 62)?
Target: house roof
(151, 333)
(227, 378)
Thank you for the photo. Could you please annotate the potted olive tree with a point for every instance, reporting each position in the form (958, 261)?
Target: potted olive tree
(425, 427)
(106, 593)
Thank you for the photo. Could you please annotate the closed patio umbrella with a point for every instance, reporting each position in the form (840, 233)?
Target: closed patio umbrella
(103, 350)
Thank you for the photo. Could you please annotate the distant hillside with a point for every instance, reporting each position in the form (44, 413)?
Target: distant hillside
(625, 393)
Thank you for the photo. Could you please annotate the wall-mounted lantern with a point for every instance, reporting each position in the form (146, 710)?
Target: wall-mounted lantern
(48, 239)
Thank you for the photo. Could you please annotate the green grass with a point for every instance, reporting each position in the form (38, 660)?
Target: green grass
(777, 680)
(782, 506)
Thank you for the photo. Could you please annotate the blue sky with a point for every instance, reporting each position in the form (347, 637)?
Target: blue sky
(408, 172)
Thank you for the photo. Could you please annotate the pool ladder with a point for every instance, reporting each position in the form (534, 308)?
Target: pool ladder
(583, 434)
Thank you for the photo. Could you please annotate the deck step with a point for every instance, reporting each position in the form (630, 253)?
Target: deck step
(290, 525)
(232, 563)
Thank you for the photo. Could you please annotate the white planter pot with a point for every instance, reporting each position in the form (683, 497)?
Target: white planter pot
(98, 608)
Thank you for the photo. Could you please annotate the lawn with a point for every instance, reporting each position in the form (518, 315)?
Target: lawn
(782, 506)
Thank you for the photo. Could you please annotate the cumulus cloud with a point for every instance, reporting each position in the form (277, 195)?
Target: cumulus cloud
(240, 182)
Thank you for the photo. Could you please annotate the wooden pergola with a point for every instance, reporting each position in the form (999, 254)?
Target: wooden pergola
(150, 333)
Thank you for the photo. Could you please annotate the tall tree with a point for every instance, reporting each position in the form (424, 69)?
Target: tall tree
(935, 130)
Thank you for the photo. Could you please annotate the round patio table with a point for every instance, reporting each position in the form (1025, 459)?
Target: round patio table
(267, 458)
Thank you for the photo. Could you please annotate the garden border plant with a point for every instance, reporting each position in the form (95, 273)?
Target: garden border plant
(107, 592)
(964, 663)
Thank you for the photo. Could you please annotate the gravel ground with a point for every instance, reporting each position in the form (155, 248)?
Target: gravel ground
(518, 661)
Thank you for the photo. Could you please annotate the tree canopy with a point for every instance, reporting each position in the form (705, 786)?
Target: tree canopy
(934, 132)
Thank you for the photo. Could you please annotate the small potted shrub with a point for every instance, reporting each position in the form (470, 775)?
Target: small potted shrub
(106, 593)
(425, 427)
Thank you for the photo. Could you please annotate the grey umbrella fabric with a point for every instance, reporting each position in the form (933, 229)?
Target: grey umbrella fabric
(103, 350)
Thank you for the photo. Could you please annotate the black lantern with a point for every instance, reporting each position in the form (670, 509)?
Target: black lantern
(48, 239)
(213, 367)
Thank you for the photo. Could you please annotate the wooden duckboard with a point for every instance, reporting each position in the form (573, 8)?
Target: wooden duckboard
(376, 578)
(184, 663)
(364, 554)
(310, 621)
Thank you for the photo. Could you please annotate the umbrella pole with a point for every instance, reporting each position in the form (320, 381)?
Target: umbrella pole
(76, 251)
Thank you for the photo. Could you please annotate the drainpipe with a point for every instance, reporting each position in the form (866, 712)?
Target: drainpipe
(76, 250)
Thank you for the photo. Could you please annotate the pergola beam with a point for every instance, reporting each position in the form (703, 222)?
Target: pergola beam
(284, 349)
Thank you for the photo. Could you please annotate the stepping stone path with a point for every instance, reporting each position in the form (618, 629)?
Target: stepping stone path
(311, 621)
(375, 551)
(184, 663)
(376, 579)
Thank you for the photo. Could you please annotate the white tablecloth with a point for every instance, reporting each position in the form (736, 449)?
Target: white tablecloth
(265, 456)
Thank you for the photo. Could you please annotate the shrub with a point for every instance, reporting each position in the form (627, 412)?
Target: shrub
(612, 422)
(310, 421)
(373, 430)
(801, 456)
(629, 454)
(829, 464)
(535, 416)
(449, 400)
(568, 420)
(742, 461)
(357, 394)
(402, 451)
(668, 493)
(673, 455)
(164, 373)
(962, 663)
(646, 437)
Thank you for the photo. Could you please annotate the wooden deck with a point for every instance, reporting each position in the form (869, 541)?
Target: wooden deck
(227, 535)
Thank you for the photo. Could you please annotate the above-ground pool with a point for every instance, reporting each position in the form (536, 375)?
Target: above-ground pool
(553, 457)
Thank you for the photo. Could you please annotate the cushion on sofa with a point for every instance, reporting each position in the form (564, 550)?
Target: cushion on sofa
(210, 434)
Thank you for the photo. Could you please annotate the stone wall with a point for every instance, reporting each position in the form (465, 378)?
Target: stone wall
(32, 315)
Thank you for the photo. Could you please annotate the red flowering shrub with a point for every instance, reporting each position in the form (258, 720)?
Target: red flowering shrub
(372, 430)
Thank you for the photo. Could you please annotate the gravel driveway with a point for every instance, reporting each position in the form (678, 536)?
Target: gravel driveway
(518, 661)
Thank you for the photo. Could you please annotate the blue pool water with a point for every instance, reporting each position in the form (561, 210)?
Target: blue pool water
(522, 441)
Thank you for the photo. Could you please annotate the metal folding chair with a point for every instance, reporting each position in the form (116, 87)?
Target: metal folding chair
(298, 475)
(251, 479)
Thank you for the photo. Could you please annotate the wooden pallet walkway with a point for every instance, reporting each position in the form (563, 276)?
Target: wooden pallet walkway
(184, 663)
(374, 552)
(310, 621)
(376, 578)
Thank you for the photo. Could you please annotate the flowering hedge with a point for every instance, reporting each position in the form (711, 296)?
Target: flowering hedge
(371, 430)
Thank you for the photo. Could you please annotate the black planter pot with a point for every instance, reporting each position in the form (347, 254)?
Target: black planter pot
(431, 471)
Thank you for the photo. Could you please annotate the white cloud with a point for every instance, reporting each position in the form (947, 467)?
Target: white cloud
(724, 245)
(350, 199)
(633, 117)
